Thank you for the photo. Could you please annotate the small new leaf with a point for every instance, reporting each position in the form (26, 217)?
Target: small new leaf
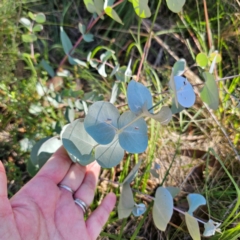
(202, 60)
(26, 23)
(210, 228)
(29, 38)
(139, 209)
(113, 14)
(141, 8)
(195, 200)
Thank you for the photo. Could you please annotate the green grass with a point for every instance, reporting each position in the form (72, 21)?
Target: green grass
(180, 148)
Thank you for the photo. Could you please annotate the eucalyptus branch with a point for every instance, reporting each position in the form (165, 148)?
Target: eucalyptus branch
(90, 26)
(148, 196)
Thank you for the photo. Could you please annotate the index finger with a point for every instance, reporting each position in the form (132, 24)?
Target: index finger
(56, 167)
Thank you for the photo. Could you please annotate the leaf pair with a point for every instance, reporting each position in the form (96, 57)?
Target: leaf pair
(126, 204)
(39, 18)
(104, 123)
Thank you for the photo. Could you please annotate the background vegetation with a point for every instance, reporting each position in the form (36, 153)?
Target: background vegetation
(181, 149)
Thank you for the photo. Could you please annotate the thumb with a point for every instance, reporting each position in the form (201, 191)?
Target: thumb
(3, 181)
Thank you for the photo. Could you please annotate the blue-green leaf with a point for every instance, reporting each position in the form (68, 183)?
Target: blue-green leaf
(40, 18)
(133, 136)
(195, 200)
(185, 93)
(48, 68)
(138, 97)
(179, 67)
(209, 93)
(78, 143)
(66, 42)
(139, 209)
(109, 155)
(175, 5)
(101, 122)
(174, 191)
(164, 116)
(210, 228)
(132, 174)
(162, 208)
(88, 37)
(126, 201)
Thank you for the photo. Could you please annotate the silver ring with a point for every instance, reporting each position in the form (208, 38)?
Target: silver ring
(81, 204)
(66, 188)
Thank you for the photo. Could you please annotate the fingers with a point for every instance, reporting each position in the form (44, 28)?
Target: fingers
(87, 189)
(74, 177)
(56, 167)
(3, 181)
(100, 216)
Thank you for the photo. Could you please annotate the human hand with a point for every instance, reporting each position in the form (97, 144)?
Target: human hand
(42, 210)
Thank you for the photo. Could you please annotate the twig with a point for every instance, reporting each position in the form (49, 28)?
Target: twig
(90, 26)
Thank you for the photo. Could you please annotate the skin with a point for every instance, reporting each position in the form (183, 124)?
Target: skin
(42, 210)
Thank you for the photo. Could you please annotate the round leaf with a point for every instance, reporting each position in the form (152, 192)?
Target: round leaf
(195, 200)
(109, 155)
(28, 38)
(38, 28)
(133, 136)
(185, 94)
(32, 16)
(40, 18)
(213, 55)
(78, 143)
(175, 5)
(141, 8)
(26, 23)
(162, 208)
(126, 201)
(101, 122)
(138, 97)
(192, 225)
(209, 93)
(202, 60)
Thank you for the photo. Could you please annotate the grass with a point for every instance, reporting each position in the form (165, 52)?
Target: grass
(181, 148)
